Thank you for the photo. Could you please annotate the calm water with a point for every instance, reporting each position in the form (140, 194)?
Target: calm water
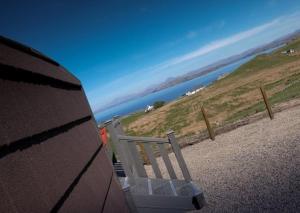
(170, 93)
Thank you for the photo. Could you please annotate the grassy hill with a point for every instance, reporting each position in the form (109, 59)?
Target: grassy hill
(231, 98)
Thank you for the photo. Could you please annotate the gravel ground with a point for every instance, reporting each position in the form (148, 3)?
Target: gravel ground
(255, 168)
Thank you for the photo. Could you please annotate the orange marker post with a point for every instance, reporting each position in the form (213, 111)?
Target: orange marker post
(103, 135)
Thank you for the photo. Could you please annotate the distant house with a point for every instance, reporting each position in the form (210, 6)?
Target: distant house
(287, 52)
(290, 51)
(149, 108)
(194, 92)
(190, 93)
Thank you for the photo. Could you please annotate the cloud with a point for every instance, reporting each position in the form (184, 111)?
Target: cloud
(210, 47)
(219, 44)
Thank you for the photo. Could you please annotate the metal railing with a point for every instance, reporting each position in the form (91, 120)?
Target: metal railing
(130, 156)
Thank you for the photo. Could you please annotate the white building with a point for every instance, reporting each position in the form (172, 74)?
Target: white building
(194, 92)
(149, 108)
(290, 51)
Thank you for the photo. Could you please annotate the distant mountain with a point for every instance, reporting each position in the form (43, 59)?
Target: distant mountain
(172, 81)
(207, 69)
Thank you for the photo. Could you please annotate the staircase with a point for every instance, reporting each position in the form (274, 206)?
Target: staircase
(119, 169)
(157, 194)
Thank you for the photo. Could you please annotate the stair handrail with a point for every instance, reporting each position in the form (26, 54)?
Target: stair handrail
(130, 155)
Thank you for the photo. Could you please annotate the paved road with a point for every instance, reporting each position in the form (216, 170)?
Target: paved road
(255, 168)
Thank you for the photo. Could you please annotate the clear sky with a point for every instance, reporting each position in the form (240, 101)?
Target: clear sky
(118, 48)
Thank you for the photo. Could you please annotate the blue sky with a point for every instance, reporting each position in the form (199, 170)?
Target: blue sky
(118, 48)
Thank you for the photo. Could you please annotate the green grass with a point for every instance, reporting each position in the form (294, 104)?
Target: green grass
(263, 61)
(274, 84)
(286, 81)
(255, 65)
(179, 115)
(292, 45)
(131, 118)
(241, 90)
(290, 92)
(258, 107)
(199, 117)
(176, 119)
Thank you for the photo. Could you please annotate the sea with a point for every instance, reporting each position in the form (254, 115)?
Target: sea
(171, 93)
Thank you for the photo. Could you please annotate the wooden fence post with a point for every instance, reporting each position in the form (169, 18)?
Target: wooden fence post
(267, 104)
(209, 129)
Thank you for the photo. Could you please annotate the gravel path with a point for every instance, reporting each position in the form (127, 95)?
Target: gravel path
(255, 168)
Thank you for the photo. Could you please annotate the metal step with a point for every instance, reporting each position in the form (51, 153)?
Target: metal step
(163, 195)
(148, 186)
(167, 203)
(119, 169)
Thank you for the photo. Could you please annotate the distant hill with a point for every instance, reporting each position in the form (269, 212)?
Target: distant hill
(172, 81)
(207, 69)
(229, 99)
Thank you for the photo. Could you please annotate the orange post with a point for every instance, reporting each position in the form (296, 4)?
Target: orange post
(103, 135)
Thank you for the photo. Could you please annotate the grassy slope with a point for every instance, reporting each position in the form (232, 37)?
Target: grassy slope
(131, 118)
(228, 99)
